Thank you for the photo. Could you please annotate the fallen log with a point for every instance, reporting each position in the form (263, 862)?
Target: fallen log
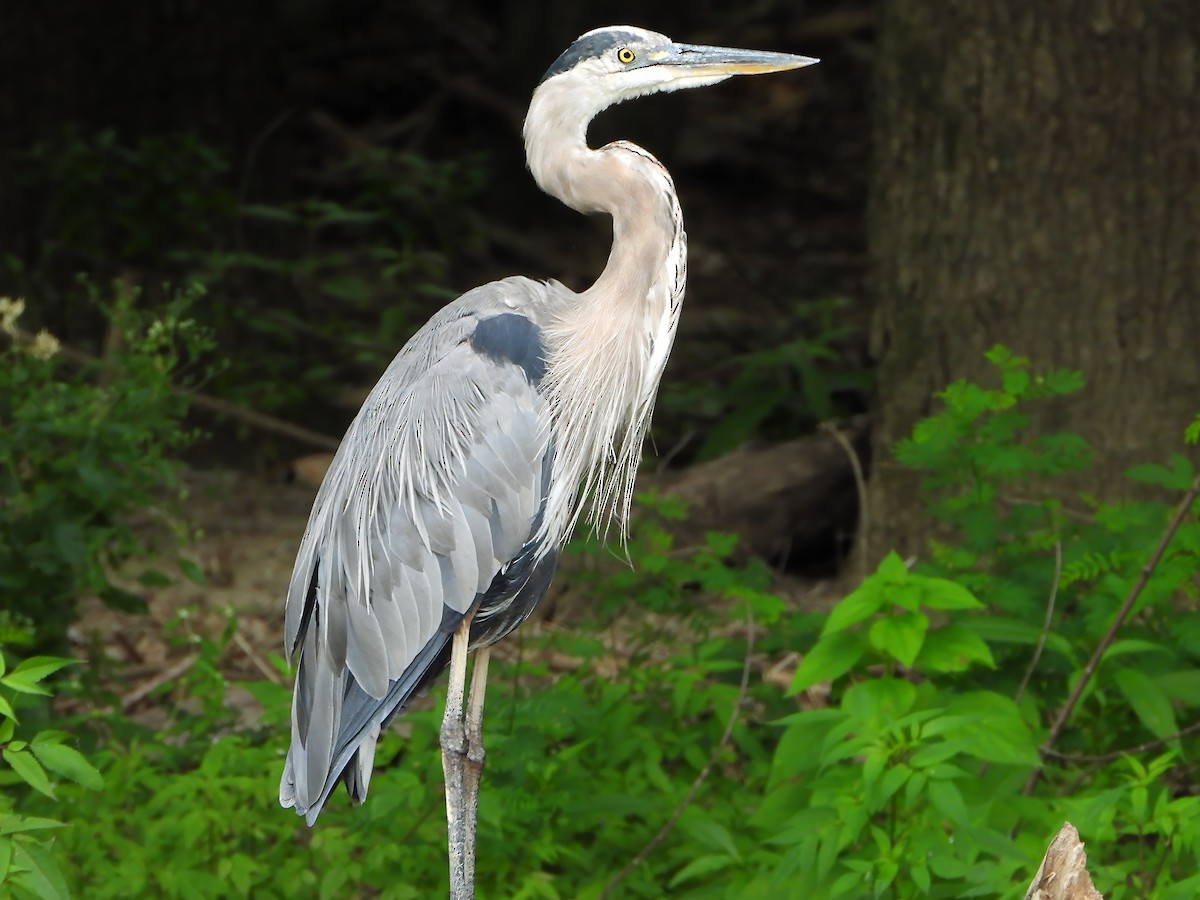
(790, 503)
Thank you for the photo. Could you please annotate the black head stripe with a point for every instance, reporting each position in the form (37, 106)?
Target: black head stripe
(589, 47)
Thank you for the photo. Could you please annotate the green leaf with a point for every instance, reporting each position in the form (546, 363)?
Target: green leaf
(153, 578)
(799, 748)
(709, 833)
(947, 799)
(892, 568)
(25, 677)
(1177, 477)
(999, 735)
(934, 753)
(1148, 702)
(1128, 646)
(831, 657)
(6, 847)
(41, 875)
(119, 598)
(941, 593)
(192, 572)
(882, 700)
(28, 769)
(1183, 686)
(953, 648)
(701, 865)
(919, 874)
(69, 763)
(900, 636)
(15, 824)
(857, 607)
(1192, 434)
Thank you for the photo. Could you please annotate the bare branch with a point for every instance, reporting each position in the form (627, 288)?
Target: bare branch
(1041, 644)
(1064, 714)
(261, 421)
(1126, 751)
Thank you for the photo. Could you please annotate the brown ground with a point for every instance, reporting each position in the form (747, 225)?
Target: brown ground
(247, 531)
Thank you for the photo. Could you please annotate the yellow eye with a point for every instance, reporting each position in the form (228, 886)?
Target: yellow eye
(625, 55)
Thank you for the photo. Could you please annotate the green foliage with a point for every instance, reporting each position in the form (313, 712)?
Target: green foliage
(779, 391)
(307, 294)
(29, 861)
(1192, 435)
(82, 449)
(891, 764)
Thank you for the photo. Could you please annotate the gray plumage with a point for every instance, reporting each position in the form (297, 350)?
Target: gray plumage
(438, 526)
(433, 494)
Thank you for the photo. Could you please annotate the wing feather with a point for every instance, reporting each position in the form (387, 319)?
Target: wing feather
(430, 507)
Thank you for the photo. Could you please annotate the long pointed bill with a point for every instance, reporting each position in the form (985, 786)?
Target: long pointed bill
(697, 61)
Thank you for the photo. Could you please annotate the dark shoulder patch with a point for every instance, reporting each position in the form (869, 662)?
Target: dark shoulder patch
(588, 47)
(511, 338)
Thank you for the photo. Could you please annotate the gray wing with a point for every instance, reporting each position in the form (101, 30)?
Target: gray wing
(428, 513)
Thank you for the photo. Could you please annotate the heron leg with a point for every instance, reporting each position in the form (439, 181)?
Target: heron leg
(475, 756)
(454, 755)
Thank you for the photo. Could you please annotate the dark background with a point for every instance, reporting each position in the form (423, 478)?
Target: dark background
(946, 179)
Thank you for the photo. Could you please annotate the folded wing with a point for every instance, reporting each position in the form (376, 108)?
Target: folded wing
(427, 515)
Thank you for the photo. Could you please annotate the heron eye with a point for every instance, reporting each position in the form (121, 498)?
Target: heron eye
(626, 55)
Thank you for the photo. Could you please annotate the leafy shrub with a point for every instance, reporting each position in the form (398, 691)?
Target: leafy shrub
(29, 864)
(286, 281)
(84, 448)
(779, 391)
(895, 764)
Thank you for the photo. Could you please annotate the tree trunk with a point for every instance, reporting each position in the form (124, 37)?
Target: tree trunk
(1036, 184)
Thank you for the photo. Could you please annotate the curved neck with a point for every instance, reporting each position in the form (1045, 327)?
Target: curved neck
(606, 347)
(620, 179)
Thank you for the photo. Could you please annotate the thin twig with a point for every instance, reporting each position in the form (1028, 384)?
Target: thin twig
(1041, 644)
(860, 486)
(259, 420)
(142, 691)
(1109, 636)
(256, 659)
(667, 826)
(1127, 751)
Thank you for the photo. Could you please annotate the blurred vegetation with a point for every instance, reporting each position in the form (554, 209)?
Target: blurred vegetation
(896, 763)
(307, 295)
(85, 448)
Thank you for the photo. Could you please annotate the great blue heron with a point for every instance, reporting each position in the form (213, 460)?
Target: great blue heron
(439, 524)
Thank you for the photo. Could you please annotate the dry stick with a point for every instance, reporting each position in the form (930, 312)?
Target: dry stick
(860, 485)
(259, 420)
(252, 417)
(1147, 570)
(255, 659)
(140, 693)
(1041, 644)
(1127, 751)
(691, 792)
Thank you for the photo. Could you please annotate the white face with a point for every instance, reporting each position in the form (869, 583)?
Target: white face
(636, 62)
(610, 65)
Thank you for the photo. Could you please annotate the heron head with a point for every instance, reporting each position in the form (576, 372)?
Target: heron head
(616, 63)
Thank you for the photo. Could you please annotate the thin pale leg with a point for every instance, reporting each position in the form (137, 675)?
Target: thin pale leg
(454, 755)
(475, 756)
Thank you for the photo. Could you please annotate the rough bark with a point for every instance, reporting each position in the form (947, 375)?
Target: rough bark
(1036, 184)
(1063, 874)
